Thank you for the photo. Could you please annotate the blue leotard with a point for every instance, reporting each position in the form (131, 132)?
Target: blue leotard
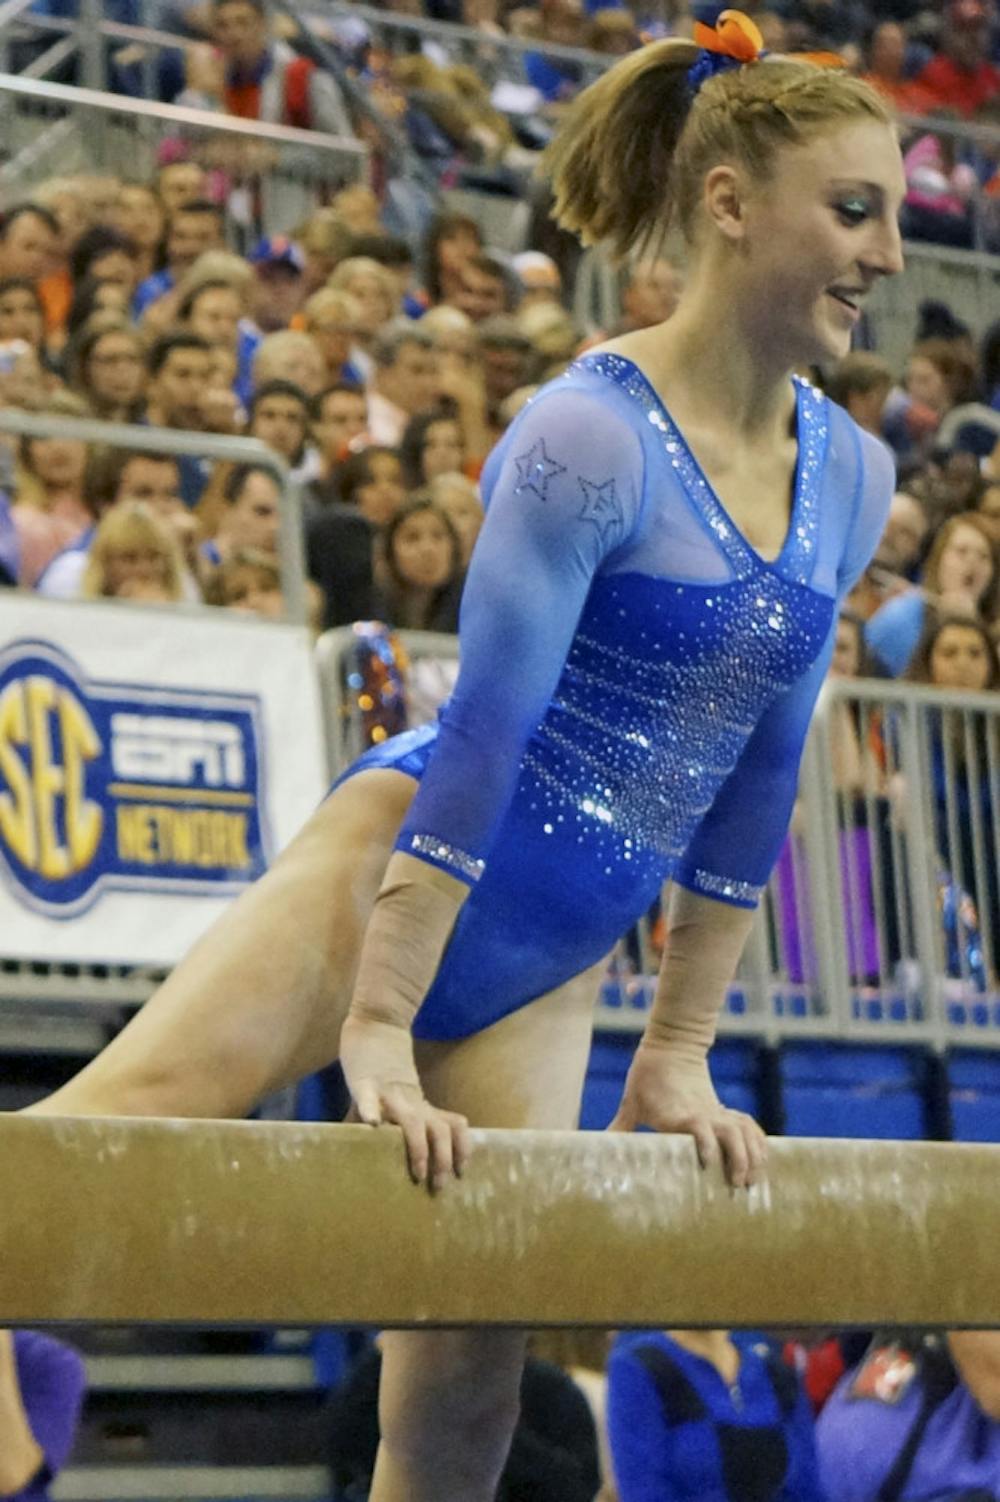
(635, 687)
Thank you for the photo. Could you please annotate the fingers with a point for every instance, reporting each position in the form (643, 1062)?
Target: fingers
(438, 1143)
(744, 1149)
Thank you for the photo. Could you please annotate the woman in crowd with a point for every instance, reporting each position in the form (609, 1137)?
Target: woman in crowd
(21, 313)
(957, 653)
(377, 297)
(372, 480)
(701, 1416)
(107, 368)
(133, 557)
(421, 569)
(669, 514)
(433, 444)
(49, 511)
(452, 240)
(960, 574)
(331, 319)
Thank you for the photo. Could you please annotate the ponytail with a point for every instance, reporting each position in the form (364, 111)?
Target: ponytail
(634, 148)
(611, 162)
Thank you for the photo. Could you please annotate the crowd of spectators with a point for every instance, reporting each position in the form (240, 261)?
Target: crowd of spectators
(730, 1416)
(381, 370)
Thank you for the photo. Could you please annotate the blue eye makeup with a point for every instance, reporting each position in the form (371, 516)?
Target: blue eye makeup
(853, 210)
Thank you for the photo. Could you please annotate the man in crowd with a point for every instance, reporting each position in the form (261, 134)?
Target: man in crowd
(279, 283)
(405, 380)
(180, 366)
(340, 416)
(258, 78)
(192, 229)
(961, 77)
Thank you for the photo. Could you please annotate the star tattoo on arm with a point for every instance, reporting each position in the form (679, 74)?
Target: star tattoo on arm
(602, 507)
(536, 469)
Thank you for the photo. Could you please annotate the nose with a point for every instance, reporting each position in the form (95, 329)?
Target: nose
(885, 256)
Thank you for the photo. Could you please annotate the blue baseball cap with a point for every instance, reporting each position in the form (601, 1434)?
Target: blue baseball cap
(277, 250)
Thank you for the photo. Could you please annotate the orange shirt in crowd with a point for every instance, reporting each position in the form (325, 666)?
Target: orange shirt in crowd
(56, 293)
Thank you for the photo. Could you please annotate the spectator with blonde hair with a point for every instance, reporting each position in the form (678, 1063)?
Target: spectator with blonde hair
(290, 356)
(331, 319)
(325, 240)
(375, 290)
(133, 557)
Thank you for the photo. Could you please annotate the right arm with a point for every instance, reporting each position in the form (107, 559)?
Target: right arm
(565, 492)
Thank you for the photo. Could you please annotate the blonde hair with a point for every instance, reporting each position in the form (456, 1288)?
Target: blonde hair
(131, 525)
(341, 279)
(634, 148)
(328, 301)
(275, 349)
(216, 266)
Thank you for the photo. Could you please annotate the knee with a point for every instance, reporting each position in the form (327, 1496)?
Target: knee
(459, 1400)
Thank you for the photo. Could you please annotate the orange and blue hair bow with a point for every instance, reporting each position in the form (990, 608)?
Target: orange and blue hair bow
(735, 40)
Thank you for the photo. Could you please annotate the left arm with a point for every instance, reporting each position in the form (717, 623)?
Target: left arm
(722, 876)
(669, 1086)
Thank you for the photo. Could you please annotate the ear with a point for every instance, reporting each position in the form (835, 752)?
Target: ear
(724, 201)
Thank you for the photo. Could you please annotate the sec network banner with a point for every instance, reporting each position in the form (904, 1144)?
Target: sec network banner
(151, 765)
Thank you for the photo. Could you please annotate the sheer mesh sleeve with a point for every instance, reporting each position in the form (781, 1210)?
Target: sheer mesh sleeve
(564, 491)
(877, 481)
(734, 848)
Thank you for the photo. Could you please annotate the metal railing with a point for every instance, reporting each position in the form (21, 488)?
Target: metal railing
(911, 855)
(496, 58)
(138, 439)
(53, 128)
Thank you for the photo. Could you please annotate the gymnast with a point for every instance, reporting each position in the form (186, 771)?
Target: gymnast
(671, 527)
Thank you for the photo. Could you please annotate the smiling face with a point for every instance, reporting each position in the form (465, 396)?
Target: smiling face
(818, 235)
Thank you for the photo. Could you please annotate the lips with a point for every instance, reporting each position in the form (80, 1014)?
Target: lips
(850, 297)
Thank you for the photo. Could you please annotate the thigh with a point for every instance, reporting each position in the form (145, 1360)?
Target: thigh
(527, 1070)
(261, 998)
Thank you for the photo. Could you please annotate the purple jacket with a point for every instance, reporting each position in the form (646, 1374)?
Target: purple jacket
(859, 1438)
(52, 1381)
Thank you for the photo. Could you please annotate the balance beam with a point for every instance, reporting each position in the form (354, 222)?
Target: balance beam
(247, 1223)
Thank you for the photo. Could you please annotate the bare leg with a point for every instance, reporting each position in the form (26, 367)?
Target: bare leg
(449, 1399)
(261, 998)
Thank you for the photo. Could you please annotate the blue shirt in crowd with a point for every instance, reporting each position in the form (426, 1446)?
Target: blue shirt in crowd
(689, 1437)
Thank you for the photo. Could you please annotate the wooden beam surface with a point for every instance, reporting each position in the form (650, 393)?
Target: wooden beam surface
(248, 1223)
